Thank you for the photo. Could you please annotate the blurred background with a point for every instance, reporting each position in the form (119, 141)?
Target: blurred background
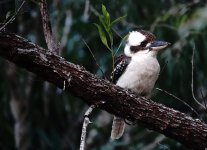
(36, 115)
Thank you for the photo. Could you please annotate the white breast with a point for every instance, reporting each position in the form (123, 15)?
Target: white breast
(141, 74)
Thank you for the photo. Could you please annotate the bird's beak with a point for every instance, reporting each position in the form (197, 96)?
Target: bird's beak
(158, 45)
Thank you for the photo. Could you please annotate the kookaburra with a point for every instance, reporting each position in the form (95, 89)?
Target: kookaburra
(137, 69)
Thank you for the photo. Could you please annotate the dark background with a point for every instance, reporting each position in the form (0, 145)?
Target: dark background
(42, 116)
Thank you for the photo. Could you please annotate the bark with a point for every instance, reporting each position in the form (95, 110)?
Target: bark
(47, 29)
(190, 132)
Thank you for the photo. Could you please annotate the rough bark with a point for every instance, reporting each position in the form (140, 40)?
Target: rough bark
(190, 132)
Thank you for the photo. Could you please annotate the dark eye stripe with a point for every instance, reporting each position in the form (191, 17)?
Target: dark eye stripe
(135, 49)
(139, 47)
(144, 43)
(149, 38)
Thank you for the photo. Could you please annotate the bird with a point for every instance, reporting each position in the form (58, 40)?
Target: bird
(137, 69)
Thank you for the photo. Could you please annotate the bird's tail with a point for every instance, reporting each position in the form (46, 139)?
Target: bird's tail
(118, 127)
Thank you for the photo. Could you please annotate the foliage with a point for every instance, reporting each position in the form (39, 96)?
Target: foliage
(108, 26)
(53, 117)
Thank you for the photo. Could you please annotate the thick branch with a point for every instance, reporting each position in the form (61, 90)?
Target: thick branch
(192, 133)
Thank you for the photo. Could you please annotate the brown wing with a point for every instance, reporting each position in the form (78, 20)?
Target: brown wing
(120, 65)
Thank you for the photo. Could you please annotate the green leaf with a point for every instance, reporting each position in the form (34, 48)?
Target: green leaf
(117, 20)
(106, 27)
(102, 22)
(102, 35)
(110, 37)
(106, 15)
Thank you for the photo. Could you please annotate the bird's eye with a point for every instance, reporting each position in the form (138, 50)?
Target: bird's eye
(143, 44)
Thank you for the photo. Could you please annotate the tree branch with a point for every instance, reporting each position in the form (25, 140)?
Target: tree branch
(92, 90)
(49, 37)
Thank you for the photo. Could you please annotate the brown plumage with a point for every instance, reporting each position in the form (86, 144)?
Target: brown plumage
(149, 36)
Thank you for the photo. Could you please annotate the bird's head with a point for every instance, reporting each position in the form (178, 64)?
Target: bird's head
(143, 42)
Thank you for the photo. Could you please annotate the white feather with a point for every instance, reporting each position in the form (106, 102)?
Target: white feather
(135, 38)
(141, 74)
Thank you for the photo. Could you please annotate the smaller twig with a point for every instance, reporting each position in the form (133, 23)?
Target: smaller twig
(113, 63)
(164, 67)
(154, 24)
(118, 47)
(204, 100)
(117, 33)
(92, 9)
(167, 26)
(66, 30)
(83, 135)
(86, 122)
(86, 10)
(124, 39)
(47, 29)
(192, 85)
(13, 17)
(132, 25)
(182, 101)
(89, 110)
(156, 142)
(85, 125)
(94, 58)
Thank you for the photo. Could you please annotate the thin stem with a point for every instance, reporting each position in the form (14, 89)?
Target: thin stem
(182, 101)
(94, 58)
(117, 33)
(83, 135)
(164, 67)
(13, 17)
(113, 61)
(66, 30)
(204, 100)
(192, 84)
(123, 39)
(118, 48)
(85, 125)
